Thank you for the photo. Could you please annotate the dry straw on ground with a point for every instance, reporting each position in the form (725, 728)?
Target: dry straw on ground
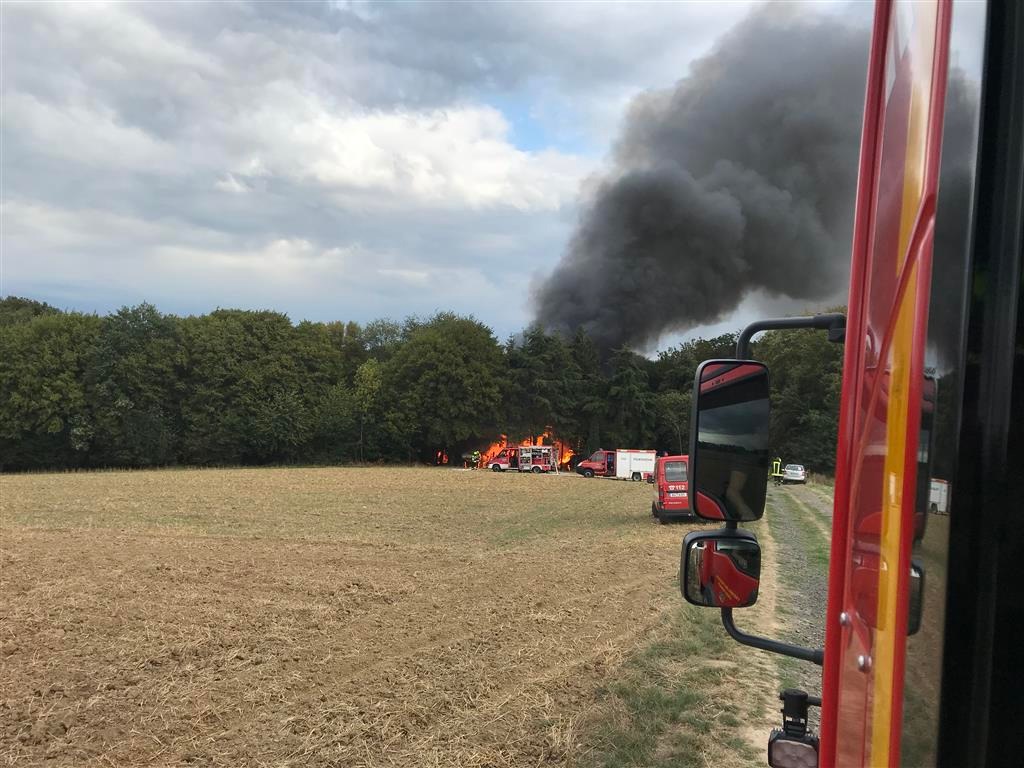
(357, 617)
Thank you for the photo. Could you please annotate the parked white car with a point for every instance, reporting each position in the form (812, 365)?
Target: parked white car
(794, 473)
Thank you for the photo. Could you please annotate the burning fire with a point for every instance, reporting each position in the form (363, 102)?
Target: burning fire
(488, 455)
(565, 453)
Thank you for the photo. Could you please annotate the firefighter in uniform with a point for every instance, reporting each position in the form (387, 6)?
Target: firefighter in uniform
(777, 470)
(476, 460)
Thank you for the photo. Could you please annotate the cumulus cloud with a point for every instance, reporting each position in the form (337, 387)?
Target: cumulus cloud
(460, 156)
(332, 160)
(255, 106)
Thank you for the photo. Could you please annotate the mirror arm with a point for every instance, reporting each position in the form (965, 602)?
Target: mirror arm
(835, 324)
(816, 655)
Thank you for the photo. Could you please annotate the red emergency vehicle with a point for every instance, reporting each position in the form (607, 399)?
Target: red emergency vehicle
(672, 500)
(923, 663)
(622, 463)
(526, 458)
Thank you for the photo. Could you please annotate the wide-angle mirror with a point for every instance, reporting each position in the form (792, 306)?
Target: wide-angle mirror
(729, 459)
(720, 569)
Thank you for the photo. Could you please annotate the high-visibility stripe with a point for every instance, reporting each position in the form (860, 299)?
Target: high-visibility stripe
(898, 441)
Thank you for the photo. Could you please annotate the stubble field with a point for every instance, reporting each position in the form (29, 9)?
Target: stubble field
(363, 617)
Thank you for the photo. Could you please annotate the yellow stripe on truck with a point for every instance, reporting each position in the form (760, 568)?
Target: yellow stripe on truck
(921, 20)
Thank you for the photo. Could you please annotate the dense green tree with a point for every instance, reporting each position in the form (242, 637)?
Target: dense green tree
(133, 388)
(675, 367)
(318, 361)
(366, 398)
(588, 395)
(541, 385)
(333, 438)
(141, 388)
(382, 339)
(278, 422)
(445, 380)
(347, 339)
(14, 310)
(43, 414)
(245, 389)
(630, 401)
(806, 383)
(672, 409)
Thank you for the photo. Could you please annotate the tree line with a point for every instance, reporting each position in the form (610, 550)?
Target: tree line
(140, 388)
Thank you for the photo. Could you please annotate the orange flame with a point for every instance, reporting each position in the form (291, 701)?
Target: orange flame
(488, 455)
(565, 453)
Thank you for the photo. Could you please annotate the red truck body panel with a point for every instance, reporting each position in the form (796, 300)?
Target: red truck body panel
(882, 382)
(728, 584)
(601, 463)
(672, 495)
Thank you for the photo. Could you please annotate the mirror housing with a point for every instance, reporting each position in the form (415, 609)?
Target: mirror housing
(729, 458)
(720, 569)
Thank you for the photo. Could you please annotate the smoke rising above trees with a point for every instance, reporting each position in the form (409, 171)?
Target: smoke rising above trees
(739, 179)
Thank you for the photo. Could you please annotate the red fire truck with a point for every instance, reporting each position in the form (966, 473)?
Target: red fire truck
(622, 463)
(923, 660)
(526, 458)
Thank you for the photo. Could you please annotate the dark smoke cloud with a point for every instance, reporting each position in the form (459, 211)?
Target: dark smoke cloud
(953, 218)
(741, 178)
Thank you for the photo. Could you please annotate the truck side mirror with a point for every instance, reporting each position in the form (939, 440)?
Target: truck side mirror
(729, 458)
(720, 569)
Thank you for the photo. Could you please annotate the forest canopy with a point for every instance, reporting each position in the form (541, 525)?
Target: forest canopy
(140, 388)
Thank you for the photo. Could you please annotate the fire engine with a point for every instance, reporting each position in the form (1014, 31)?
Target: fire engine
(923, 659)
(622, 464)
(526, 458)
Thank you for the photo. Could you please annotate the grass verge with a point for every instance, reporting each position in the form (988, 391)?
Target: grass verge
(682, 700)
(817, 542)
(825, 481)
(803, 537)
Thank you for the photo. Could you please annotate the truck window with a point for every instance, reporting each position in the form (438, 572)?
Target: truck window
(675, 471)
(943, 373)
(598, 456)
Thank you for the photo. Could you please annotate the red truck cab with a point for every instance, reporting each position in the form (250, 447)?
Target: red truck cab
(672, 499)
(622, 463)
(600, 464)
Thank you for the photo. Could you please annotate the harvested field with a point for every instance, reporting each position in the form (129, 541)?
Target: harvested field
(364, 617)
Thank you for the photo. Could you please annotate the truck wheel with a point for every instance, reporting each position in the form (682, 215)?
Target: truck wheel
(654, 509)
(495, 468)
(536, 470)
(635, 477)
(588, 473)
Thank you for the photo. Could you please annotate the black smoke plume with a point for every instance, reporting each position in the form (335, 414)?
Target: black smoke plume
(739, 179)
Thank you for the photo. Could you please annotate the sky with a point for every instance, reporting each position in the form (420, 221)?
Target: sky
(332, 161)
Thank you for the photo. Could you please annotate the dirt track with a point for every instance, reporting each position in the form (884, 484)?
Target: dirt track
(800, 518)
(318, 617)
